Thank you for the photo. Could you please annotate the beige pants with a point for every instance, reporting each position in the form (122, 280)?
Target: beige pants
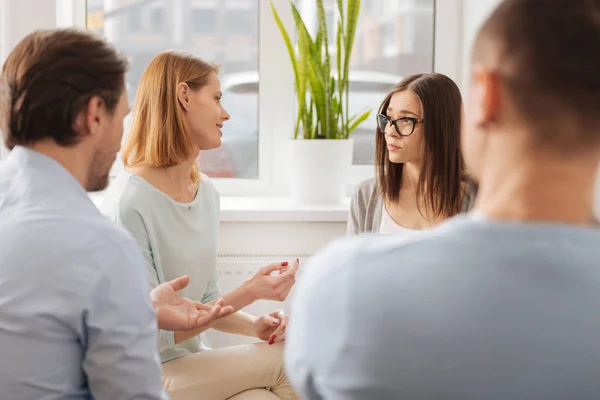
(244, 372)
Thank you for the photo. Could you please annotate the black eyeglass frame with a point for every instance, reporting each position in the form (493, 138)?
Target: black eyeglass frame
(388, 120)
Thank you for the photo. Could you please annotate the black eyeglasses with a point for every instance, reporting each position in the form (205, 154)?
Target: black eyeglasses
(405, 126)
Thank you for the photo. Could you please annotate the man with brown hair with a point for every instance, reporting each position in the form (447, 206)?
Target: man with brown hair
(75, 317)
(501, 303)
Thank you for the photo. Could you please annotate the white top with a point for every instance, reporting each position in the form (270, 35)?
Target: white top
(75, 316)
(176, 238)
(472, 309)
(390, 227)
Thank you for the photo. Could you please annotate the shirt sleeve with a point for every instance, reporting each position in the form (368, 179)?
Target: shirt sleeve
(133, 222)
(213, 290)
(352, 228)
(121, 361)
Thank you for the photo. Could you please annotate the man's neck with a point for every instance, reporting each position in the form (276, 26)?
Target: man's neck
(533, 187)
(74, 159)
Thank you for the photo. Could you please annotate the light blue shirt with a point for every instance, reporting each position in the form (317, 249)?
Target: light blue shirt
(473, 310)
(75, 316)
(176, 239)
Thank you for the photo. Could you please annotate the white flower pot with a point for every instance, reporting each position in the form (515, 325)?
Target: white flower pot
(319, 170)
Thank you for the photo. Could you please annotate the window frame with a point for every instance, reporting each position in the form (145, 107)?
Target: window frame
(276, 114)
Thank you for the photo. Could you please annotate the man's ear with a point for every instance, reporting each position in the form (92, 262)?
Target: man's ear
(183, 92)
(486, 95)
(88, 120)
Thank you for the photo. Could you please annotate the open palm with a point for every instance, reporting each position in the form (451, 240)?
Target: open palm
(174, 312)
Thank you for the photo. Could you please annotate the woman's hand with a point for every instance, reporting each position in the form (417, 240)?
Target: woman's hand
(266, 285)
(271, 327)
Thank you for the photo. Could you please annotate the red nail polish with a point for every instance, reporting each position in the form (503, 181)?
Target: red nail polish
(284, 264)
(297, 261)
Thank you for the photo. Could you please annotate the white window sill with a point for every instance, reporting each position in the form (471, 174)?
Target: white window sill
(279, 209)
(270, 209)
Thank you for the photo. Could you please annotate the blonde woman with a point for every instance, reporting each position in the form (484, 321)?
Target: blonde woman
(173, 212)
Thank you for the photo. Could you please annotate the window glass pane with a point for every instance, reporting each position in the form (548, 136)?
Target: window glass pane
(394, 39)
(223, 31)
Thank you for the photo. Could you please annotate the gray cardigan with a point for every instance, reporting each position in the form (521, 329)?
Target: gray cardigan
(367, 204)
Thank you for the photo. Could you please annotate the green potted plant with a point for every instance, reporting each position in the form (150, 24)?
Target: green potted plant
(321, 149)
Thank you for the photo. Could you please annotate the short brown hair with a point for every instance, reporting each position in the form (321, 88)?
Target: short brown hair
(547, 53)
(440, 185)
(49, 78)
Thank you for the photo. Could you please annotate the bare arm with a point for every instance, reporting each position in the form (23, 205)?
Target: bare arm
(264, 286)
(239, 323)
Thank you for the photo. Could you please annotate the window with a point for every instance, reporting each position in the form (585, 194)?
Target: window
(238, 157)
(388, 40)
(394, 39)
(134, 24)
(157, 20)
(204, 20)
(238, 22)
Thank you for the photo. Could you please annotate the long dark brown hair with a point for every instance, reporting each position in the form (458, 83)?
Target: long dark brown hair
(440, 186)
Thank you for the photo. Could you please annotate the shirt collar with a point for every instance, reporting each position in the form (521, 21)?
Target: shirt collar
(47, 166)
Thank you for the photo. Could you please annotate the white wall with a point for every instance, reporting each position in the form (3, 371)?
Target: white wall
(17, 20)
(474, 14)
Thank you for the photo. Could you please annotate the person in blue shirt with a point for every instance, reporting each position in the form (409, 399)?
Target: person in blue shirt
(76, 320)
(499, 303)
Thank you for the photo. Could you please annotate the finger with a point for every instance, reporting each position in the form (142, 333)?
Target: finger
(269, 269)
(269, 320)
(277, 336)
(296, 265)
(283, 279)
(290, 272)
(225, 311)
(220, 302)
(207, 317)
(279, 333)
(179, 283)
(204, 307)
(284, 324)
(208, 306)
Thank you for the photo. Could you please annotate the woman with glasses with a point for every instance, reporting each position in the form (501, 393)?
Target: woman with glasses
(420, 175)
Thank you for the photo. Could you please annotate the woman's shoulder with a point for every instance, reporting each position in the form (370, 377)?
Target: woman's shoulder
(126, 193)
(366, 198)
(366, 189)
(207, 186)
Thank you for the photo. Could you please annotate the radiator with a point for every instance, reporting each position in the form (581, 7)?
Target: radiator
(234, 269)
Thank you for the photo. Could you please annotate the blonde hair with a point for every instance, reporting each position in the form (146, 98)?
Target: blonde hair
(159, 136)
